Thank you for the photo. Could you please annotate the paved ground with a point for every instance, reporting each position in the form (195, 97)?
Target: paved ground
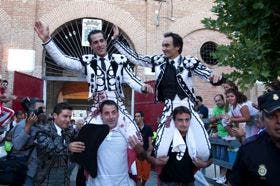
(209, 172)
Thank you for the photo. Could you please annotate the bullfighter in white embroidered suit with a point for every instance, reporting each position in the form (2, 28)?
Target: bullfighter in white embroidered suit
(173, 73)
(105, 74)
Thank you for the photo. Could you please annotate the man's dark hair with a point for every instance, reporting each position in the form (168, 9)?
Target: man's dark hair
(199, 98)
(221, 96)
(177, 40)
(108, 102)
(141, 113)
(180, 110)
(62, 106)
(95, 32)
(5, 81)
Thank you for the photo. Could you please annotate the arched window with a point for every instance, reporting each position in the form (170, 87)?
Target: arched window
(69, 38)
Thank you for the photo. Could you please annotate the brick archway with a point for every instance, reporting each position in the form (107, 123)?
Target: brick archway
(195, 34)
(190, 23)
(64, 12)
(196, 38)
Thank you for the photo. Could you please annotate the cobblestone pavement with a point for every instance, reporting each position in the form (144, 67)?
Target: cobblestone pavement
(209, 172)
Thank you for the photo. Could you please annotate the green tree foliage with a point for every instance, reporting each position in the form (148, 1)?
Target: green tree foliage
(254, 29)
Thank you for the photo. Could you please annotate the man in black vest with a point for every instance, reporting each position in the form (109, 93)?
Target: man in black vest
(173, 73)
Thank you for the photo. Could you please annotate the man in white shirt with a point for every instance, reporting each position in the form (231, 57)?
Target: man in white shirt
(112, 165)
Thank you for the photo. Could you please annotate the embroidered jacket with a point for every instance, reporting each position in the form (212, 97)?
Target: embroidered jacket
(185, 68)
(52, 152)
(119, 71)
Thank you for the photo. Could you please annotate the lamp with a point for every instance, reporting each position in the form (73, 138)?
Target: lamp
(21, 60)
(157, 13)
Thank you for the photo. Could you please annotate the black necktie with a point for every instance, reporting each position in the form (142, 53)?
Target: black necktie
(63, 135)
(171, 64)
(103, 65)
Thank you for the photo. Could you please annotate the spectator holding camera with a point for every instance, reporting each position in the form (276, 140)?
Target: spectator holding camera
(23, 143)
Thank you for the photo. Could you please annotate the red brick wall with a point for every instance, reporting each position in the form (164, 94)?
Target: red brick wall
(135, 17)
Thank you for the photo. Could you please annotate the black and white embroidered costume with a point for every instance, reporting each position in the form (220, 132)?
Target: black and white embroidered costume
(184, 68)
(103, 83)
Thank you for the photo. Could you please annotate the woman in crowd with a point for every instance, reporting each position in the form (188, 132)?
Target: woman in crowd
(240, 119)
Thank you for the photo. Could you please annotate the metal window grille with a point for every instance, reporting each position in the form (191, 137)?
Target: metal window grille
(205, 52)
(68, 38)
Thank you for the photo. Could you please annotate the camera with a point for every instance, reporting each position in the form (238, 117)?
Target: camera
(28, 105)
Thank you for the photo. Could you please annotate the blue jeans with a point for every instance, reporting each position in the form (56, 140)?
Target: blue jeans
(28, 181)
(200, 179)
(221, 152)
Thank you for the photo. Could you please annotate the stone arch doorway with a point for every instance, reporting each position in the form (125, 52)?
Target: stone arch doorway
(66, 85)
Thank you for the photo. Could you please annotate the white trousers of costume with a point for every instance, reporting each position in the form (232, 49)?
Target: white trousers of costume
(196, 139)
